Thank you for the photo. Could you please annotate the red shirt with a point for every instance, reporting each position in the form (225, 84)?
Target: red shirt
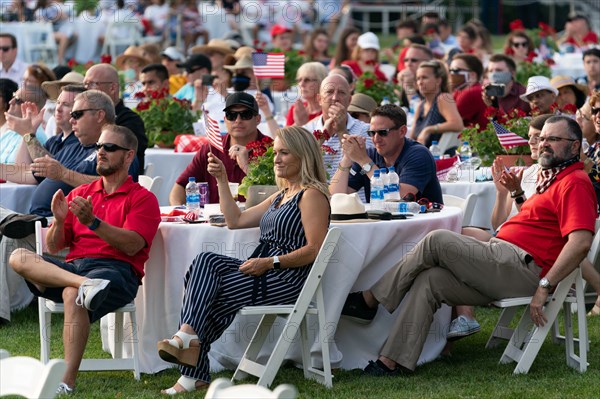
(358, 71)
(131, 207)
(289, 120)
(471, 106)
(545, 220)
(589, 38)
(198, 168)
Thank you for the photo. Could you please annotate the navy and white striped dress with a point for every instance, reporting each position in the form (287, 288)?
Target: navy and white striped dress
(215, 289)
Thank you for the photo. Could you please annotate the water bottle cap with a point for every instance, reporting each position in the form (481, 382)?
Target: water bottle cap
(383, 170)
(191, 178)
(376, 173)
(391, 169)
(465, 142)
(434, 142)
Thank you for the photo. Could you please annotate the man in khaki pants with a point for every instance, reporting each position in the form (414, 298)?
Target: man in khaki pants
(547, 240)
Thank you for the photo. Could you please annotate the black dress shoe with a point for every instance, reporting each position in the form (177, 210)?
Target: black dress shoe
(20, 226)
(357, 309)
(378, 369)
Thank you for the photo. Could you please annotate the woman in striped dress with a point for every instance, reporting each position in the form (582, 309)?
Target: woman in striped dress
(293, 224)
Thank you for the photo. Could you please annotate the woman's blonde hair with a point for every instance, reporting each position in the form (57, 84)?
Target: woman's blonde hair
(304, 146)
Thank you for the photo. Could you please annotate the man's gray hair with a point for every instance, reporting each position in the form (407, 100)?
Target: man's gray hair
(98, 100)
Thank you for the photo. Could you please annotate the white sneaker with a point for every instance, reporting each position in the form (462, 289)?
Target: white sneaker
(64, 389)
(462, 327)
(91, 293)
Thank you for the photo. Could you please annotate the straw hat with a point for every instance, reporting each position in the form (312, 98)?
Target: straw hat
(214, 46)
(538, 83)
(132, 52)
(347, 208)
(242, 63)
(362, 103)
(53, 88)
(562, 80)
(244, 51)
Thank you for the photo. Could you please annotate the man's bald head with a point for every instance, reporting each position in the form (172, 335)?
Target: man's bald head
(334, 89)
(103, 77)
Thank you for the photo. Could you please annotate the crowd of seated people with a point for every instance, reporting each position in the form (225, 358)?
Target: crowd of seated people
(444, 82)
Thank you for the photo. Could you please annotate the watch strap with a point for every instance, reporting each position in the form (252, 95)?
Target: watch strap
(276, 263)
(29, 137)
(94, 224)
(369, 165)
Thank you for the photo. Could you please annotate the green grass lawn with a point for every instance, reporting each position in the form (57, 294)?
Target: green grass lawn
(471, 371)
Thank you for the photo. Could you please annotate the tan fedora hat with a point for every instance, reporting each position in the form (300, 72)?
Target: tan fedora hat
(562, 80)
(53, 88)
(244, 51)
(242, 63)
(214, 46)
(362, 103)
(132, 52)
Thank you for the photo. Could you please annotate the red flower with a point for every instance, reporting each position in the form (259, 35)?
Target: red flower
(106, 58)
(71, 63)
(569, 109)
(142, 106)
(547, 30)
(139, 94)
(371, 62)
(89, 64)
(321, 135)
(369, 83)
(258, 148)
(530, 56)
(550, 61)
(430, 31)
(509, 51)
(517, 24)
(328, 150)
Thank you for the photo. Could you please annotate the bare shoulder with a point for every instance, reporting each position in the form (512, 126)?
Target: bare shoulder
(314, 198)
(445, 98)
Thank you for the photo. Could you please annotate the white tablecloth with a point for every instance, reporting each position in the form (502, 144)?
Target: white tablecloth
(168, 164)
(366, 251)
(16, 197)
(486, 197)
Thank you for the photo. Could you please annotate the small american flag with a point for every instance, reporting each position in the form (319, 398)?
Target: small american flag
(269, 65)
(507, 138)
(213, 132)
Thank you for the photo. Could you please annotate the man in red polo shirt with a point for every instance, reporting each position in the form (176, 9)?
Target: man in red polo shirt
(109, 226)
(241, 120)
(530, 255)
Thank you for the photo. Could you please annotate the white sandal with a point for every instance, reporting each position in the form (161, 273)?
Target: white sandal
(187, 383)
(185, 355)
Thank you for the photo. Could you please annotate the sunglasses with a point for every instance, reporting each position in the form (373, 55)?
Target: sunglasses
(192, 70)
(407, 60)
(110, 147)
(93, 85)
(456, 71)
(18, 100)
(519, 44)
(233, 115)
(6, 48)
(594, 110)
(79, 113)
(380, 132)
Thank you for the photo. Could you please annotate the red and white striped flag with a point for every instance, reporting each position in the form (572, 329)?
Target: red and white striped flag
(507, 138)
(213, 131)
(269, 65)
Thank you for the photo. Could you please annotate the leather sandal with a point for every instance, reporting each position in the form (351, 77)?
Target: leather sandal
(187, 383)
(184, 355)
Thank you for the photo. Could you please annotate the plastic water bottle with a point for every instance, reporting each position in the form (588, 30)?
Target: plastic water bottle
(385, 101)
(376, 191)
(383, 172)
(435, 150)
(393, 184)
(465, 153)
(413, 103)
(403, 207)
(192, 195)
(585, 146)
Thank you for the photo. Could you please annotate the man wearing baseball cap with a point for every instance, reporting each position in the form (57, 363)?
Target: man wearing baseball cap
(195, 66)
(241, 121)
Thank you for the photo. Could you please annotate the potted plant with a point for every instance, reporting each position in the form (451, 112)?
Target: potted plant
(486, 144)
(165, 117)
(370, 85)
(259, 181)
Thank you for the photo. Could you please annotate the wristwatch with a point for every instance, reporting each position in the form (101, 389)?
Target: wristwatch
(94, 224)
(29, 137)
(276, 263)
(366, 168)
(519, 200)
(545, 283)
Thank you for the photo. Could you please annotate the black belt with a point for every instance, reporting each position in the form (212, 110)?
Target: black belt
(528, 259)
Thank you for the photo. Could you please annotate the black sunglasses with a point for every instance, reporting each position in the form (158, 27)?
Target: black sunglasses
(192, 70)
(519, 44)
(246, 115)
(456, 71)
(594, 110)
(380, 132)
(79, 113)
(6, 48)
(110, 147)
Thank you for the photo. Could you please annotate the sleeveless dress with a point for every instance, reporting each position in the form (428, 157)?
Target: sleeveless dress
(215, 289)
(432, 118)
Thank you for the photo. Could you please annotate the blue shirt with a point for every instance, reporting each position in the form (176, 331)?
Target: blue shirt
(187, 92)
(415, 166)
(10, 141)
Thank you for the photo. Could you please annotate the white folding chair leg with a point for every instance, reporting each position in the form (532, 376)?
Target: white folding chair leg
(248, 361)
(502, 331)
(574, 360)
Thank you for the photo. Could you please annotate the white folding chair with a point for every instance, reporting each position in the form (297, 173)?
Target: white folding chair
(296, 321)
(466, 205)
(222, 388)
(151, 184)
(118, 362)
(526, 340)
(120, 35)
(449, 140)
(30, 378)
(39, 44)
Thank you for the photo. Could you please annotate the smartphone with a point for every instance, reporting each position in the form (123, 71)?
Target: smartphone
(207, 80)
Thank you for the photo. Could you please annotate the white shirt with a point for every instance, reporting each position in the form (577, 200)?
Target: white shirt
(15, 72)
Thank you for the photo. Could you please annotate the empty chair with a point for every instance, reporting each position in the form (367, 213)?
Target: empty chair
(120, 35)
(39, 44)
(222, 388)
(28, 377)
(151, 184)
(466, 205)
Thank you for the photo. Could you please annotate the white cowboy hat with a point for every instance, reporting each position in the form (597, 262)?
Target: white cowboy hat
(538, 83)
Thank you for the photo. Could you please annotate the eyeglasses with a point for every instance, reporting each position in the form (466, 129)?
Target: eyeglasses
(456, 71)
(233, 115)
(93, 85)
(307, 80)
(110, 147)
(381, 132)
(408, 60)
(18, 100)
(594, 110)
(519, 44)
(79, 113)
(6, 48)
(554, 139)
